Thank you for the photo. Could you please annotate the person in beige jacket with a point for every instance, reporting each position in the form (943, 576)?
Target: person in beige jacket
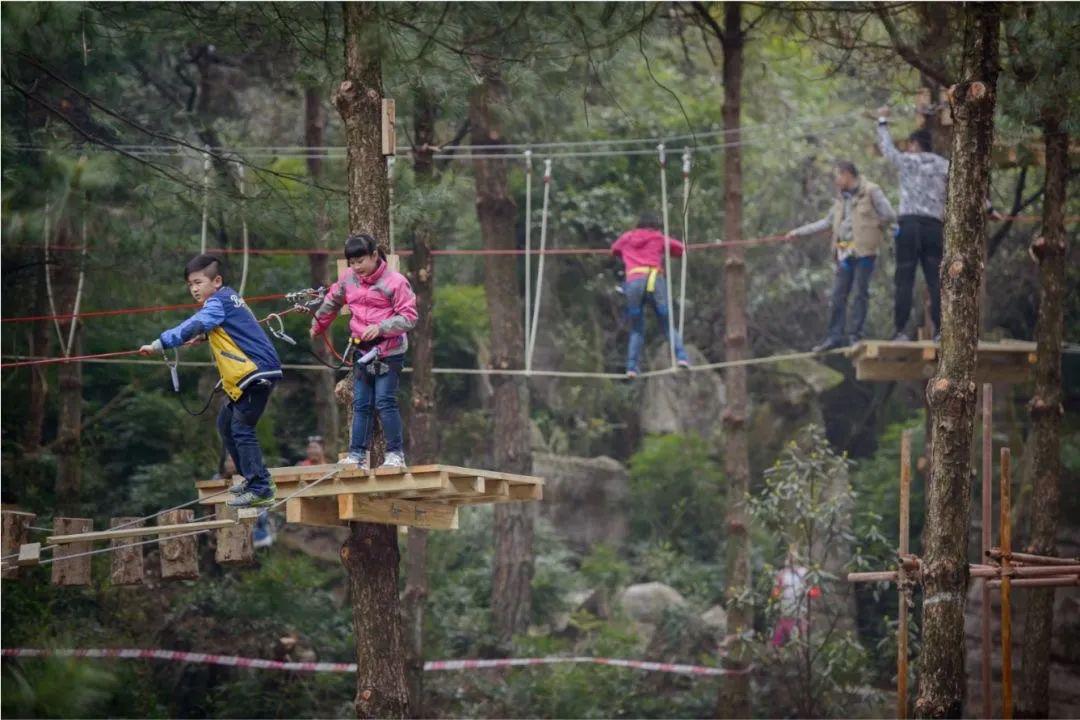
(858, 221)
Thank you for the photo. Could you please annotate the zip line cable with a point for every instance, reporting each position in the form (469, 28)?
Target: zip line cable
(528, 246)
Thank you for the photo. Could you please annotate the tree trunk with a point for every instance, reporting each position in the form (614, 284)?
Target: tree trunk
(70, 386)
(40, 344)
(1046, 411)
(513, 565)
(371, 553)
(327, 420)
(423, 437)
(951, 392)
(734, 697)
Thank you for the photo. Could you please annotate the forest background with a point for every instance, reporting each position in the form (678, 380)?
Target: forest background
(106, 107)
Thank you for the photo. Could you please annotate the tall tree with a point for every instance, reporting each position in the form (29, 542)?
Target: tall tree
(951, 392)
(423, 432)
(371, 553)
(511, 592)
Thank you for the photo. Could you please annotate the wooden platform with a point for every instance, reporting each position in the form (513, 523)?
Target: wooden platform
(884, 360)
(424, 496)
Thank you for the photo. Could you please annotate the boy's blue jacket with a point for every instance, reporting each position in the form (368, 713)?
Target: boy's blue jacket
(241, 349)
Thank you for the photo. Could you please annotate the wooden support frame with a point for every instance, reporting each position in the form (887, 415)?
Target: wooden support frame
(887, 360)
(905, 532)
(1005, 531)
(986, 534)
(16, 530)
(413, 513)
(389, 126)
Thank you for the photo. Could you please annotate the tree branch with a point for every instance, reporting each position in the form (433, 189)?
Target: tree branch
(935, 72)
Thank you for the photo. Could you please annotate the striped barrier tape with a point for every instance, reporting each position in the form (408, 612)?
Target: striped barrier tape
(430, 666)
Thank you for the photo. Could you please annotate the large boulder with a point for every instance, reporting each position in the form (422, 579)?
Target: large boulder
(646, 603)
(684, 402)
(584, 498)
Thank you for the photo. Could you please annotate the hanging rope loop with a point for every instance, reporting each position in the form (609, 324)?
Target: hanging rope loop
(662, 154)
(686, 164)
(547, 171)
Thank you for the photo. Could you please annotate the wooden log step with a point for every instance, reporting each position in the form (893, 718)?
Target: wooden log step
(127, 556)
(68, 570)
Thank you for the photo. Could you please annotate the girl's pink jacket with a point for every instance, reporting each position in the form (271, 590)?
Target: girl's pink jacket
(383, 298)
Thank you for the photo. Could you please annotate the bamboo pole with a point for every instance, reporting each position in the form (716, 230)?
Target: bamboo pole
(1006, 598)
(987, 528)
(1063, 581)
(998, 554)
(905, 528)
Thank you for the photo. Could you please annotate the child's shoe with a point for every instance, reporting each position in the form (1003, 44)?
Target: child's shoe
(394, 460)
(263, 534)
(358, 460)
(250, 499)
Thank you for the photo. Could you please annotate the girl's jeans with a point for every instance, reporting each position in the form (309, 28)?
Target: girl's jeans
(636, 298)
(377, 392)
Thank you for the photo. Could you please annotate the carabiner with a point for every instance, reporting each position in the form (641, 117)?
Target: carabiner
(173, 367)
(279, 331)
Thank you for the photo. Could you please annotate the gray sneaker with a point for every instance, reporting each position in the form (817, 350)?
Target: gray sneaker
(394, 460)
(357, 460)
(250, 499)
(239, 486)
(901, 337)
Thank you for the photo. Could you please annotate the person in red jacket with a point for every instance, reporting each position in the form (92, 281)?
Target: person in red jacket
(642, 252)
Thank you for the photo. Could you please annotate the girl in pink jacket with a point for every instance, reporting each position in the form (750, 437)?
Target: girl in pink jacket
(383, 308)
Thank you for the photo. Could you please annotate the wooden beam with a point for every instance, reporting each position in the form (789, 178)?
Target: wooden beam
(320, 511)
(127, 557)
(389, 511)
(389, 122)
(234, 544)
(15, 532)
(179, 556)
(397, 483)
(29, 554)
(76, 570)
(138, 532)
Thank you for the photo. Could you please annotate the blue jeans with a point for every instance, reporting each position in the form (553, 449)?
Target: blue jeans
(236, 425)
(636, 298)
(377, 392)
(850, 271)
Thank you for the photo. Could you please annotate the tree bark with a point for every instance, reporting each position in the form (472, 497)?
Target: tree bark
(327, 418)
(1051, 250)
(734, 697)
(951, 392)
(511, 585)
(370, 555)
(423, 433)
(69, 380)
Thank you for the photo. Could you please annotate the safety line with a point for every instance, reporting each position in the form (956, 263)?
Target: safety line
(539, 267)
(662, 156)
(429, 666)
(131, 311)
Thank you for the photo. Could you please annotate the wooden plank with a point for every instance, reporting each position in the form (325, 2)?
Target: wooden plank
(468, 485)
(389, 122)
(320, 511)
(74, 571)
(392, 511)
(526, 492)
(396, 484)
(233, 543)
(29, 554)
(248, 515)
(137, 532)
(127, 557)
(16, 531)
(493, 487)
(179, 556)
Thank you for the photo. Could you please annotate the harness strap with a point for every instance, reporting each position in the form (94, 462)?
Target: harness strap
(650, 284)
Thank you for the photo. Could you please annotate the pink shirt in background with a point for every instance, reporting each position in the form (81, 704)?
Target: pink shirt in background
(644, 247)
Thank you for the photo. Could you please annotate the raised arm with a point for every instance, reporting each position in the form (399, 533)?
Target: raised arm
(815, 227)
(206, 319)
(885, 144)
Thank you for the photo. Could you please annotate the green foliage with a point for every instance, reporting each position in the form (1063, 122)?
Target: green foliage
(676, 495)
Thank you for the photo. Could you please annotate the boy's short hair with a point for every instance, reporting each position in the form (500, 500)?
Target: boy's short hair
(209, 265)
(848, 167)
(649, 220)
(923, 137)
(359, 245)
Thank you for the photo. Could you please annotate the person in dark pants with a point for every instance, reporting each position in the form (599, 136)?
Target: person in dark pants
(924, 177)
(857, 221)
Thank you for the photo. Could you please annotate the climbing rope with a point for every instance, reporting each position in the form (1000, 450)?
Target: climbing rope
(685, 237)
(528, 247)
(667, 250)
(205, 200)
(243, 228)
(539, 266)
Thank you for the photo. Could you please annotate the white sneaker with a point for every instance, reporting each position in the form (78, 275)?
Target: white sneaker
(394, 460)
(359, 460)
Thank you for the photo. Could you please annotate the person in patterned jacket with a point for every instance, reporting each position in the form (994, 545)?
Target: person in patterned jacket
(383, 309)
(924, 179)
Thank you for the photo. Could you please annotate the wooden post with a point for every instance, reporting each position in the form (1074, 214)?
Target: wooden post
(179, 555)
(234, 545)
(987, 527)
(389, 123)
(75, 571)
(127, 560)
(16, 528)
(905, 531)
(1006, 581)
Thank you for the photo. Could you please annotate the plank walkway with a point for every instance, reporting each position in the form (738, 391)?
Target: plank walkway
(1008, 361)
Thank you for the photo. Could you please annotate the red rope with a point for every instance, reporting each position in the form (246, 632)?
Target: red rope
(130, 311)
(65, 360)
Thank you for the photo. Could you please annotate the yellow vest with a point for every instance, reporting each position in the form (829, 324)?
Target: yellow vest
(231, 361)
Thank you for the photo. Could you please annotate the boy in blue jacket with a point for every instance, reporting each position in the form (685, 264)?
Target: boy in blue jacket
(248, 364)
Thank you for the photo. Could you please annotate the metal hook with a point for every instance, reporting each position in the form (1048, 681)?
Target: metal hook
(173, 372)
(279, 331)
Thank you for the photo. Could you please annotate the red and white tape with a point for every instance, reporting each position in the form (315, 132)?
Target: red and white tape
(430, 666)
